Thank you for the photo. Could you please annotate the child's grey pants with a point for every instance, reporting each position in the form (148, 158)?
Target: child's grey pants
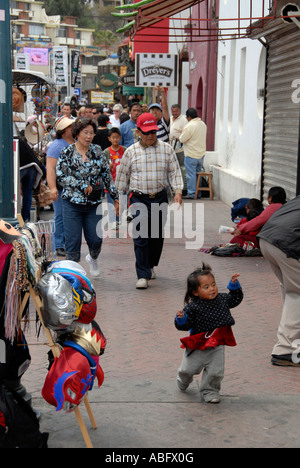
(211, 361)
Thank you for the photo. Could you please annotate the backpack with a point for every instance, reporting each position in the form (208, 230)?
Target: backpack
(19, 426)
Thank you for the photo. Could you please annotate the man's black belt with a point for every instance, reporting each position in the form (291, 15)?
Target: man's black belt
(139, 194)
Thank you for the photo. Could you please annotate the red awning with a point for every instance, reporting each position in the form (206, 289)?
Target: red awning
(203, 26)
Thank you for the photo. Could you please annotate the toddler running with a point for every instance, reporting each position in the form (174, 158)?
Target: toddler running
(207, 315)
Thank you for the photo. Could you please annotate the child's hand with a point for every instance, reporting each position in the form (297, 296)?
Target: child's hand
(236, 231)
(235, 277)
(180, 314)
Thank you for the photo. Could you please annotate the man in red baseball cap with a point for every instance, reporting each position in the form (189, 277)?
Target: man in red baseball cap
(149, 167)
(147, 128)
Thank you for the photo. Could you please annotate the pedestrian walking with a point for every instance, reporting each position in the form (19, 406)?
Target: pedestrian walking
(64, 138)
(101, 137)
(128, 129)
(178, 124)
(80, 168)
(207, 315)
(114, 155)
(162, 116)
(279, 242)
(193, 138)
(115, 118)
(148, 167)
(32, 172)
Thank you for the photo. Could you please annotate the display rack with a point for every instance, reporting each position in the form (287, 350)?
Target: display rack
(34, 295)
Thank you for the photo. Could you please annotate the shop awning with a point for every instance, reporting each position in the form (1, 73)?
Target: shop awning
(132, 90)
(161, 9)
(197, 25)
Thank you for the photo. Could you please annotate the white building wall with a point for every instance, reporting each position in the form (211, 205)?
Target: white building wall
(239, 115)
(175, 48)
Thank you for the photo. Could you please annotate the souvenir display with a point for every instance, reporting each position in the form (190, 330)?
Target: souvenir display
(70, 377)
(66, 305)
(59, 308)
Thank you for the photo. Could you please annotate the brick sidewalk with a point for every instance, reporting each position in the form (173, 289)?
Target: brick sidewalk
(139, 404)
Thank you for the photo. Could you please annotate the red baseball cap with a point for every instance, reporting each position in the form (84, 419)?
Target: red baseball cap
(147, 123)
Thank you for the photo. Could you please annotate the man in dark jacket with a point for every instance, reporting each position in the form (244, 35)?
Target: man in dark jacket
(31, 172)
(280, 245)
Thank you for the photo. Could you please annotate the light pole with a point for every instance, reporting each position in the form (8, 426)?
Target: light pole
(6, 118)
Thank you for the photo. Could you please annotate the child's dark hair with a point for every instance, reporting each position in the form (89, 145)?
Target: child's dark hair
(114, 130)
(255, 208)
(193, 281)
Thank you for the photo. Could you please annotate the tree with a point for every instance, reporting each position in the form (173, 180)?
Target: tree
(106, 38)
(65, 7)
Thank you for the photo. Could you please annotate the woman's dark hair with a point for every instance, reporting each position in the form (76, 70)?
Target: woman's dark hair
(103, 120)
(81, 123)
(193, 281)
(123, 118)
(59, 134)
(278, 195)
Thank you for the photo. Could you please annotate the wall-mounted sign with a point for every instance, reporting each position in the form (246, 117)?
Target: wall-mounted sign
(108, 81)
(99, 97)
(128, 80)
(60, 66)
(22, 62)
(156, 69)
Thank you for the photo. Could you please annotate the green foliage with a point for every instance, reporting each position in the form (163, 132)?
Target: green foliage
(91, 17)
(65, 7)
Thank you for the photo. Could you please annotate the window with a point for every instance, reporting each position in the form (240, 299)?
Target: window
(61, 32)
(36, 29)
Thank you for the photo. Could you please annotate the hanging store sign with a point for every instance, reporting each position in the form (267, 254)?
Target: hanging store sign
(156, 70)
(76, 78)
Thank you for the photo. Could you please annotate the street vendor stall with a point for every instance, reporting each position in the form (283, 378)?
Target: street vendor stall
(66, 306)
(38, 92)
(33, 107)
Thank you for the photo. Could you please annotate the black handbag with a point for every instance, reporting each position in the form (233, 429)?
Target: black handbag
(97, 193)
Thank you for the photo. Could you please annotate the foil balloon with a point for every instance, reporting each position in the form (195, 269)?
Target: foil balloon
(59, 308)
(83, 291)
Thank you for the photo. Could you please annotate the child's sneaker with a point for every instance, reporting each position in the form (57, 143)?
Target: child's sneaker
(94, 269)
(181, 385)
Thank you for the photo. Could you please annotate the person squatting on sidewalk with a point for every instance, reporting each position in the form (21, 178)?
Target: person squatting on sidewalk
(207, 315)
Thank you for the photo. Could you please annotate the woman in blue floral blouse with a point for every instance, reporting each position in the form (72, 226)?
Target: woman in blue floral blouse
(81, 169)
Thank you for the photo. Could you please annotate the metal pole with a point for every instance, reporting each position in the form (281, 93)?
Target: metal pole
(6, 119)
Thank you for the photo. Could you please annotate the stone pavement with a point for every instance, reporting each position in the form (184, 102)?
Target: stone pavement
(139, 405)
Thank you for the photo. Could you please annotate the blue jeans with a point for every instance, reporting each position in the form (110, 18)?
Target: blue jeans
(78, 218)
(58, 232)
(27, 179)
(111, 210)
(192, 166)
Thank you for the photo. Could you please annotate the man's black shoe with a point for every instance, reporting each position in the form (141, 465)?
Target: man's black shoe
(285, 360)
